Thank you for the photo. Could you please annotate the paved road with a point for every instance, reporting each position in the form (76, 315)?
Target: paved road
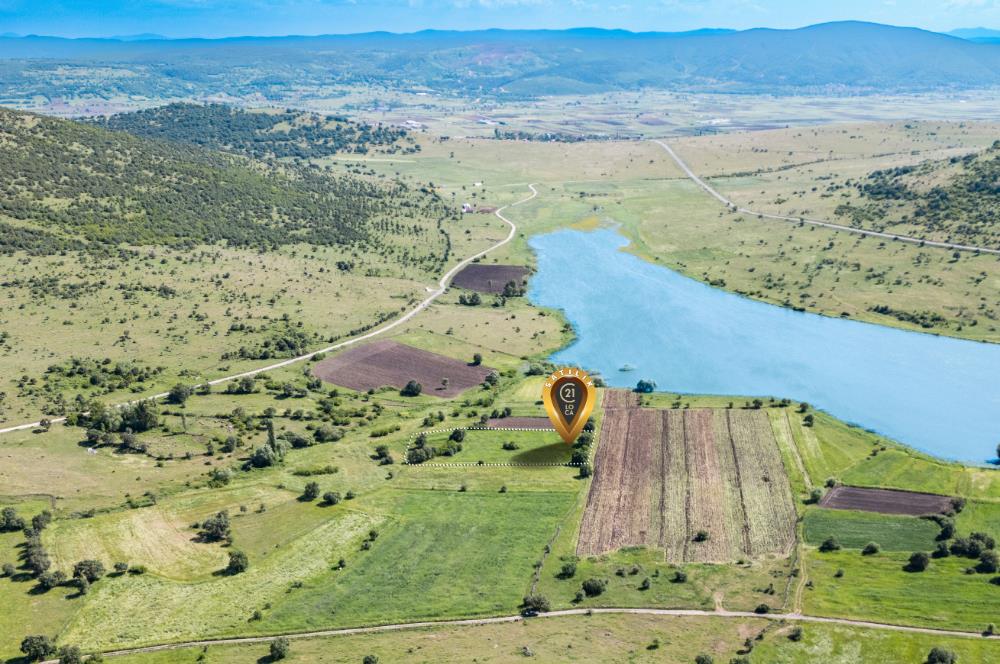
(817, 222)
(434, 294)
(718, 613)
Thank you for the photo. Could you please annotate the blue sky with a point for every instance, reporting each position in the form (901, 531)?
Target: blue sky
(216, 18)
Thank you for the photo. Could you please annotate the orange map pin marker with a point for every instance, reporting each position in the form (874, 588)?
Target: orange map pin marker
(569, 396)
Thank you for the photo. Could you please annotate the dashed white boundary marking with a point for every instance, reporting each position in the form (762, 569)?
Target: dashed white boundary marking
(477, 464)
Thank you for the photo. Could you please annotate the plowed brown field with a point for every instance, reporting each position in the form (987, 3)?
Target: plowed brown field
(885, 501)
(489, 278)
(661, 476)
(381, 363)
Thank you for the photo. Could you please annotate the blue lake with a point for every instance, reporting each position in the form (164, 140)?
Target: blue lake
(936, 394)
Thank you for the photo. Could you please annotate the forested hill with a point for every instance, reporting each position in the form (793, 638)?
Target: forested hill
(260, 134)
(956, 199)
(67, 184)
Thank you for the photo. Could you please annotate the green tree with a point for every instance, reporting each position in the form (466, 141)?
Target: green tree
(311, 492)
(216, 528)
(829, 544)
(989, 562)
(238, 562)
(10, 521)
(411, 389)
(941, 656)
(593, 587)
(37, 647)
(919, 562)
(70, 655)
(535, 604)
(49, 580)
(91, 570)
(279, 648)
(179, 393)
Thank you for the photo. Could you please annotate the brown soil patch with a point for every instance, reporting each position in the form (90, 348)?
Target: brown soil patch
(489, 278)
(661, 476)
(385, 362)
(885, 501)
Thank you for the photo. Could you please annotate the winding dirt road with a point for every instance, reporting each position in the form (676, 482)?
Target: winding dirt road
(442, 287)
(816, 222)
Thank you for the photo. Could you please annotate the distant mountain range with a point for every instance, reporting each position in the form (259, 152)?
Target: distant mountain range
(848, 57)
(984, 35)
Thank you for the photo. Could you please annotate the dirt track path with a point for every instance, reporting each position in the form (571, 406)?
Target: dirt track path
(442, 287)
(815, 222)
(718, 613)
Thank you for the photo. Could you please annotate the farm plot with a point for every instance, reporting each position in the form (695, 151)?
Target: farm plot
(885, 501)
(490, 278)
(541, 423)
(515, 448)
(386, 362)
(703, 485)
(619, 399)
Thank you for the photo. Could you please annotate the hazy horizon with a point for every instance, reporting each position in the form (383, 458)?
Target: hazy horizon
(179, 19)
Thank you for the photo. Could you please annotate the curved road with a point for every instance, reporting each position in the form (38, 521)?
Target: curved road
(719, 613)
(816, 222)
(442, 287)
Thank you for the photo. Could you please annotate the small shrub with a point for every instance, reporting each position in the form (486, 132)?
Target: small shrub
(535, 604)
(238, 563)
(829, 544)
(870, 549)
(594, 587)
(919, 562)
(279, 648)
(941, 656)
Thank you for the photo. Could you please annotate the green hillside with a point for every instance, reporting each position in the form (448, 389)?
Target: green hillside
(957, 198)
(68, 184)
(259, 134)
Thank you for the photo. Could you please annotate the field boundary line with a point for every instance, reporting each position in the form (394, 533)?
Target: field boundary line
(417, 433)
(816, 222)
(443, 285)
(461, 622)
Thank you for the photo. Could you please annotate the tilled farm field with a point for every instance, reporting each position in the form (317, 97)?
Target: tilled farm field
(386, 362)
(885, 501)
(489, 278)
(704, 485)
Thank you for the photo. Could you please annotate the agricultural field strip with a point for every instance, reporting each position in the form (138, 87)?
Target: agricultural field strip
(442, 287)
(816, 222)
(718, 613)
(473, 464)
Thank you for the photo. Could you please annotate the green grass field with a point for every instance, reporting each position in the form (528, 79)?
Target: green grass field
(616, 639)
(533, 447)
(853, 530)
(877, 588)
